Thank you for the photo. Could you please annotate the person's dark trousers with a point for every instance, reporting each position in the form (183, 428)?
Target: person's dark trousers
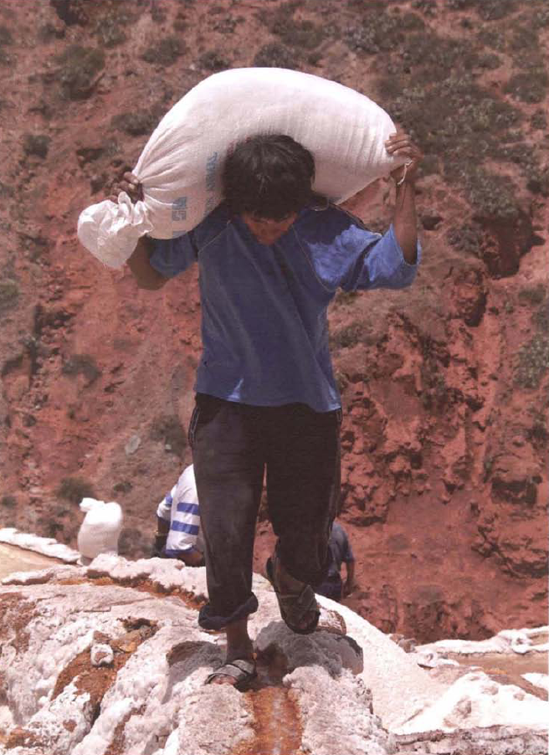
(233, 446)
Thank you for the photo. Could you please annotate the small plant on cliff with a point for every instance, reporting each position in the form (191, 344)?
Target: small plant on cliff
(532, 361)
(347, 337)
(82, 364)
(9, 294)
(168, 429)
(489, 10)
(532, 294)
(140, 122)
(528, 86)
(110, 30)
(275, 55)
(5, 40)
(36, 144)
(211, 60)
(78, 70)
(73, 489)
(165, 52)
(8, 502)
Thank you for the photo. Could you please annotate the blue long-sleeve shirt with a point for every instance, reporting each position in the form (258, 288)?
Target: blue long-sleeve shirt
(264, 308)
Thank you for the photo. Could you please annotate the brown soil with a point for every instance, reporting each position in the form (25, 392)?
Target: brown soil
(16, 612)
(142, 585)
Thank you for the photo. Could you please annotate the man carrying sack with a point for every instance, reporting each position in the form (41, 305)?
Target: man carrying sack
(271, 257)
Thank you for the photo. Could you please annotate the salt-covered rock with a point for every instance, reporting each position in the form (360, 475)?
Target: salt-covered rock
(101, 655)
(331, 693)
(48, 546)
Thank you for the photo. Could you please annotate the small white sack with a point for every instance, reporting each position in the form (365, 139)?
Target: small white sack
(180, 165)
(100, 530)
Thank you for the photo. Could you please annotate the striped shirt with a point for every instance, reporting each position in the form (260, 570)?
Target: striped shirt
(180, 508)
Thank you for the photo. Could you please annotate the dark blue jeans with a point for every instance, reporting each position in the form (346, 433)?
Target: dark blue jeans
(234, 446)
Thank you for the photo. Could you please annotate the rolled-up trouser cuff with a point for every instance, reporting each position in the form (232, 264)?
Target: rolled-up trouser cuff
(207, 619)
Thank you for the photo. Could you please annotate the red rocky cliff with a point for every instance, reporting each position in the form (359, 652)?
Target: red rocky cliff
(444, 385)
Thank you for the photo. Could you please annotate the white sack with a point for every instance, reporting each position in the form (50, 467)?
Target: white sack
(100, 529)
(180, 165)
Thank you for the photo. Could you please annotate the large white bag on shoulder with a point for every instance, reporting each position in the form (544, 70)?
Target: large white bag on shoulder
(180, 165)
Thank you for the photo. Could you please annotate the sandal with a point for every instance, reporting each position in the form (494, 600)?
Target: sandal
(243, 671)
(295, 606)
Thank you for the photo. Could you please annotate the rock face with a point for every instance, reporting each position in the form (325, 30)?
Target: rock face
(109, 659)
(444, 434)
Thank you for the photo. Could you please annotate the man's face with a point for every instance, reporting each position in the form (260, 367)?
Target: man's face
(265, 230)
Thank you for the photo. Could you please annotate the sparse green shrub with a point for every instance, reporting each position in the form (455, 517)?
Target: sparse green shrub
(211, 60)
(73, 489)
(158, 13)
(528, 86)
(36, 144)
(275, 55)
(541, 318)
(53, 528)
(9, 294)
(491, 196)
(347, 337)
(168, 429)
(532, 295)
(110, 29)
(48, 32)
(5, 191)
(451, 117)
(5, 36)
(5, 40)
(71, 11)
(78, 71)
(165, 52)
(382, 31)
(139, 122)
(8, 501)
(489, 10)
(532, 361)
(541, 17)
(227, 24)
(304, 35)
(346, 297)
(82, 364)
(539, 120)
(124, 486)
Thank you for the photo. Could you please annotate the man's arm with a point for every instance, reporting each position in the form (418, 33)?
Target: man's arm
(143, 272)
(349, 585)
(405, 217)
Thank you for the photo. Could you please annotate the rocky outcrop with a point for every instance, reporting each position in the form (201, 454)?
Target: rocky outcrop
(109, 659)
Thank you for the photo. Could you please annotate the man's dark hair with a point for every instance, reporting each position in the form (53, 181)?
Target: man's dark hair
(269, 176)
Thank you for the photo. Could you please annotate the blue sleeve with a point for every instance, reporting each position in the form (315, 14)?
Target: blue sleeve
(173, 256)
(381, 264)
